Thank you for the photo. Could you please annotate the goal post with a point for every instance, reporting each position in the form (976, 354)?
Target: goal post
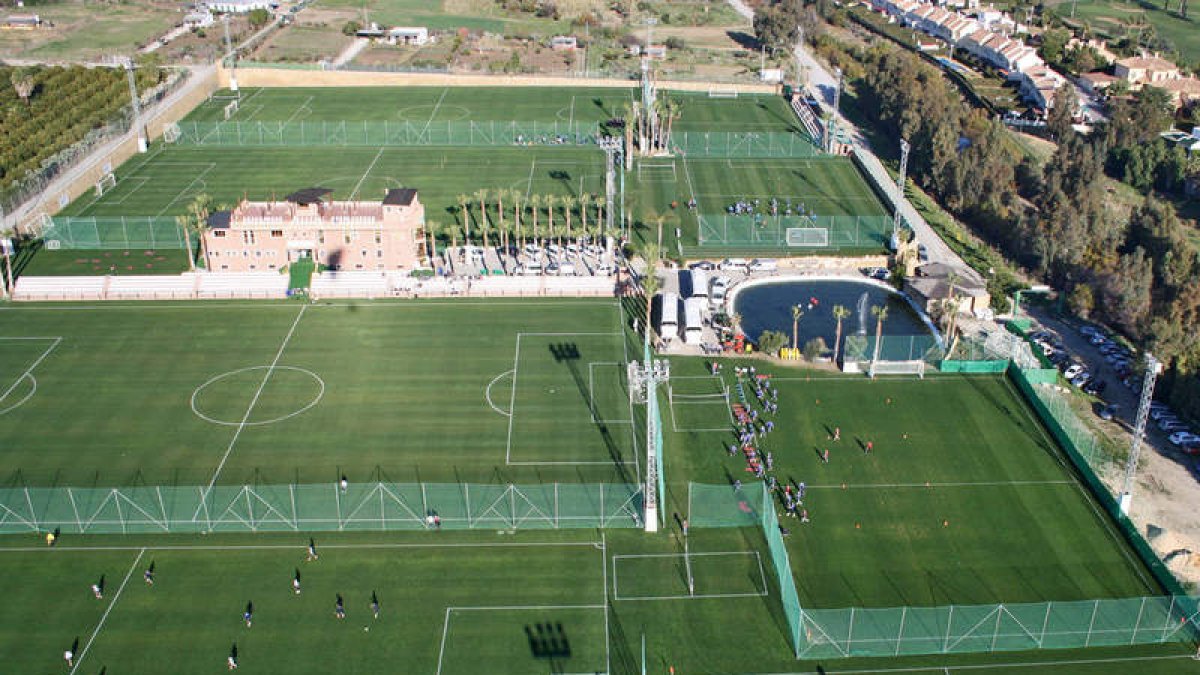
(106, 183)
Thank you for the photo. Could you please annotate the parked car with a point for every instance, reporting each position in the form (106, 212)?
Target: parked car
(1182, 437)
(1109, 411)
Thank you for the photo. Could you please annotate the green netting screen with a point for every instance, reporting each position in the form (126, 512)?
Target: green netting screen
(378, 133)
(891, 631)
(892, 348)
(798, 233)
(743, 144)
(319, 508)
(113, 232)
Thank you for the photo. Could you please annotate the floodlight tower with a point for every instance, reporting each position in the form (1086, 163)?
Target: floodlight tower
(135, 103)
(1153, 369)
(230, 56)
(900, 180)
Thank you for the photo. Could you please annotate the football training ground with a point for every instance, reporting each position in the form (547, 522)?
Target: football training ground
(965, 500)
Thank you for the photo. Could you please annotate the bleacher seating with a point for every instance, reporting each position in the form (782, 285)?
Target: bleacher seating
(151, 287)
(59, 288)
(243, 285)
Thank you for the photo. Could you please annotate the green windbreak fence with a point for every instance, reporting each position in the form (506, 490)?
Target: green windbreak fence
(319, 508)
(793, 232)
(112, 232)
(385, 133)
(950, 629)
(743, 144)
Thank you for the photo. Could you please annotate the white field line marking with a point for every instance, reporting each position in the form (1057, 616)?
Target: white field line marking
(29, 371)
(254, 401)
(687, 596)
(518, 608)
(282, 547)
(104, 617)
(199, 177)
(366, 173)
(488, 393)
(437, 106)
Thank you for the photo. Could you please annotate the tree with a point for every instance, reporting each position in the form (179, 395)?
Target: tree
(880, 313)
(814, 348)
(650, 283)
(840, 312)
(23, 83)
(771, 341)
(1062, 115)
(796, 314)
(259, 18)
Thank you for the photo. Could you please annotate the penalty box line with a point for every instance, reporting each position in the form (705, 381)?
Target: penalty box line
(512, 406)
(29, 371)
(762, 575)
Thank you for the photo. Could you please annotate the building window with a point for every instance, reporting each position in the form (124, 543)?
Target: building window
(219, 233)
(276, 233)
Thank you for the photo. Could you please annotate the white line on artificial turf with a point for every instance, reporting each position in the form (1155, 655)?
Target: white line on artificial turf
(104, 617)
(250, 408)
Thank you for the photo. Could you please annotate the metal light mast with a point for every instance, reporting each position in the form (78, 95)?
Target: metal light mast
(1153, 368)
(135, 103)
(900, 180)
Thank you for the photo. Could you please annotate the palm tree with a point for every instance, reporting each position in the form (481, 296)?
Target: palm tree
(650, 281)
(200, 209)
(22, 82)
(796, 314)
(880, 313)
(550, 201)
(464, 210)
(535, 203)
(568, 203)
(839, 312)
(482, 195)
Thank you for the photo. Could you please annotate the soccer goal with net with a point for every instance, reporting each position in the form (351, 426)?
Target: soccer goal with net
(722, 93)
(807, 236)
(915, 367)
(659, 171)
(106, 183)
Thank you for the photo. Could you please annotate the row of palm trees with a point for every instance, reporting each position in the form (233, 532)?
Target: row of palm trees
(511, 214)
(840, 312)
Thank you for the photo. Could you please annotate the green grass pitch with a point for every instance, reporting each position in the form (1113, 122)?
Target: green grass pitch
(521, 391)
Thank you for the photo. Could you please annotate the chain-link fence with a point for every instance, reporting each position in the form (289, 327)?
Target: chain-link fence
(112, 232)
(319, 508)
(385, 133)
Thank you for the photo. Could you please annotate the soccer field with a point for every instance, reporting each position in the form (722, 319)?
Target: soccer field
(521, 392)
(964, 499)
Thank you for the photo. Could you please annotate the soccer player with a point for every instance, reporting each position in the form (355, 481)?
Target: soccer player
(312, 551)
(248, 615)
(339, 608)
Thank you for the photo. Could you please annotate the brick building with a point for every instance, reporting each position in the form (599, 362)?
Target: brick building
(343, 235)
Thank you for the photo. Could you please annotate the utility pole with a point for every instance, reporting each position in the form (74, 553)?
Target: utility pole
(230, 56)
(135, 103)
(1153, 368)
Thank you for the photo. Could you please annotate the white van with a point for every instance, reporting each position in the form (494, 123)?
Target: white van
(693, 319)
(668, 316)
(699, 284)
(764, 265)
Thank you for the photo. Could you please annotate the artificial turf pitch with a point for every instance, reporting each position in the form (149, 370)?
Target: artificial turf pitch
(421, 391)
